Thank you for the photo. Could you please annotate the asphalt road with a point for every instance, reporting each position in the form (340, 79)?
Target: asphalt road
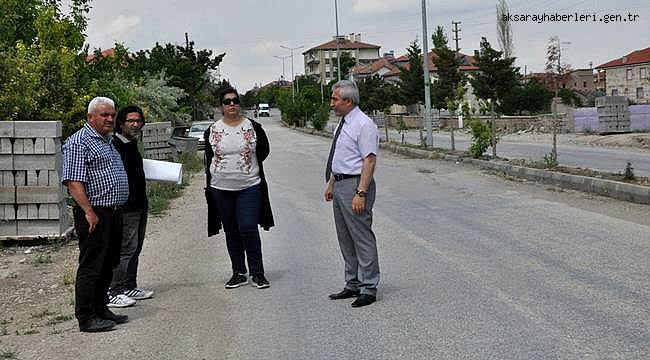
(598, 158)
(473, 267)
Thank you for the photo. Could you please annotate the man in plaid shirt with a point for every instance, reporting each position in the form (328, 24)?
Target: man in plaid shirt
(96, 180)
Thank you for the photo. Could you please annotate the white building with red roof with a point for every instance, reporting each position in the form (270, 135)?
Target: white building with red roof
(320, 61)
(629, 76)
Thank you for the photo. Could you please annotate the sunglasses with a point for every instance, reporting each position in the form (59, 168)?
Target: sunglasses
(234, 101)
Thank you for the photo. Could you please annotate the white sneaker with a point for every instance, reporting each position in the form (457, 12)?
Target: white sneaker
(138, 293)
(119, 301)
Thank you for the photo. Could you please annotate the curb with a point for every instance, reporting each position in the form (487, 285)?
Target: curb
(609, 188)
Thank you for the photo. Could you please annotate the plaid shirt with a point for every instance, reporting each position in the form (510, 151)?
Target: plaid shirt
(91, 158)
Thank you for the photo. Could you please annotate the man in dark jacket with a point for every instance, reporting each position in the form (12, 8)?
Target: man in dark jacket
(124, 288)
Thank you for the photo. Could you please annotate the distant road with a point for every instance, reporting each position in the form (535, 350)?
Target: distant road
(597, 158)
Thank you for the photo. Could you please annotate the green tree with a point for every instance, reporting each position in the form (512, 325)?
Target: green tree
(347, 63)
(411, 76)
(376, 94)
(531, 98)
(446, 62)
(39, 70)
(185, 68)
(497, 75)
(160, 100)
(569, 97)
(439, 38)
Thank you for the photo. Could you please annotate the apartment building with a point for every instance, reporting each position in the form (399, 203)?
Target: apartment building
(629, 76)
(320, 61)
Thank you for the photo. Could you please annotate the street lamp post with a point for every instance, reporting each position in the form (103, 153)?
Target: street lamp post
(282, 57)
(338, 50)
(425, 61)
(293, 90)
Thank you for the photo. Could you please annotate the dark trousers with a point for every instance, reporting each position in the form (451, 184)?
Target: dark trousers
(240, 213)
(99, 253)
(126, 272)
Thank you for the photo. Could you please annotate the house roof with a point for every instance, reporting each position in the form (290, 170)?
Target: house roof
(344, 44)
(635, 57)
(374, 66)
(468, 64)
(105, 53)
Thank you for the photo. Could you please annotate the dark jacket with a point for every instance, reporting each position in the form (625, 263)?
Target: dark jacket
(132, 161)
(261, 152)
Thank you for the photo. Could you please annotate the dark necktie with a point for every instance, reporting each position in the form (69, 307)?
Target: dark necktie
(328, 169)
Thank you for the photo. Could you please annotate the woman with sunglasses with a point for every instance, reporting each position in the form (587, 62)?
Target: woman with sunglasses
(236, 189)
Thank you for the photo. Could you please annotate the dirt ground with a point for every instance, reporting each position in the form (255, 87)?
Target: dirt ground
(37, 291)
(36, 283)
(629, 140)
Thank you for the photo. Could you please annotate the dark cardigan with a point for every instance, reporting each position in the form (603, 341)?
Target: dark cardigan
(261, 152)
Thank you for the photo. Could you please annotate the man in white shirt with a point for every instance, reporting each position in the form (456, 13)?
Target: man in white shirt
(351, 187)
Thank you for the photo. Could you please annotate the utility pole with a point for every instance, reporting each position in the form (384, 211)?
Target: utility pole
(293, 90)
(427, 78)
(456, 31)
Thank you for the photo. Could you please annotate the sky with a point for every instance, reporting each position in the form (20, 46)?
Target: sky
(251, 32)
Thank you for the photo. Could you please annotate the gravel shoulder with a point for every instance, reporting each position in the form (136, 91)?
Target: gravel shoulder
(37, 291)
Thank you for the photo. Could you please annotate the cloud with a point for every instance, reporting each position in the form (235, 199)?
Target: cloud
(377, 7)
(268, 47)
(122, 24)
(382, 7)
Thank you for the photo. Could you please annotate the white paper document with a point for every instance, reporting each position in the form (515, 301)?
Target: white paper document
(163, 170)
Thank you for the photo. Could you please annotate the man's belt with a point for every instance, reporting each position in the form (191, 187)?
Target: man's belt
(339, 177)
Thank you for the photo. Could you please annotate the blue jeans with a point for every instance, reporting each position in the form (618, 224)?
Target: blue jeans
(240, 213)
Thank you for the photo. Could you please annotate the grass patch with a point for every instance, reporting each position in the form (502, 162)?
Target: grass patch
(59, 319)
(67, 274)
(42, 259)
(192, 162)
(161, 193)
(42, 314)
(8, 355)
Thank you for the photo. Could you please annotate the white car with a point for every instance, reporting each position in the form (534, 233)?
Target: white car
(263, 110)
(197, 129)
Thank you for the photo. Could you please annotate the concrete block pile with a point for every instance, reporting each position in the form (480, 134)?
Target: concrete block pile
(613, 114)
(32, 199)
(155, 137)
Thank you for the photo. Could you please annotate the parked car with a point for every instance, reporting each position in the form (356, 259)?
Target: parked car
(263, 110)
(197, 129)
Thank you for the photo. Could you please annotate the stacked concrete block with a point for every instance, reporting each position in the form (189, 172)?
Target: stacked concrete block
(613, 114)
(8, 224)
(40, 207)
(155, 137)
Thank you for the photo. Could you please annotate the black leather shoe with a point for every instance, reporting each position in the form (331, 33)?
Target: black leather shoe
(363, 300)
(345, 294)
(96, 325)
(118, 319)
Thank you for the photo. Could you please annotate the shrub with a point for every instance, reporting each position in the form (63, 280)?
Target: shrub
(550, 161)
(629, 172)
(319, 119)
(401, 128)
(480, 138)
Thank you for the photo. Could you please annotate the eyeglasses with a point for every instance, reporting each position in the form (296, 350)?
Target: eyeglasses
(134, 120)
(233, 101)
